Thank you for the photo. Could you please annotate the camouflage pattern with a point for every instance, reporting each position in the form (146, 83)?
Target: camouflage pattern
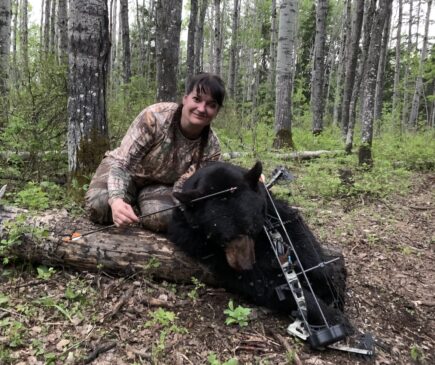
(153, 160)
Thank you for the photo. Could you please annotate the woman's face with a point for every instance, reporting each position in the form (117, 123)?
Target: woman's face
(198, 110)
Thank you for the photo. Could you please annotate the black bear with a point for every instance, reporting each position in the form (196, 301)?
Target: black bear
(227, 232)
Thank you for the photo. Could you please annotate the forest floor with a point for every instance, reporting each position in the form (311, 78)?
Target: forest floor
(63, 317)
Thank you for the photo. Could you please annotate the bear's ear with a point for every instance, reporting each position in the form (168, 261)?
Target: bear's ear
(253, 175)
(186, 197)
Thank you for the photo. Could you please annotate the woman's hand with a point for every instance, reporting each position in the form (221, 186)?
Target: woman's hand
(122, 213)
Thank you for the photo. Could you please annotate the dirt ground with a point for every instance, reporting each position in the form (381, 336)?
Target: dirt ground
(70, 317)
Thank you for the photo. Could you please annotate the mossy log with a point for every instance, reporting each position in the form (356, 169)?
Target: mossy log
(127, 251)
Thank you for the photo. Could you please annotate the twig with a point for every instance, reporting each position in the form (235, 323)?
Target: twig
(98, 351)
(288, 348)
(116, 308)
(421, 208)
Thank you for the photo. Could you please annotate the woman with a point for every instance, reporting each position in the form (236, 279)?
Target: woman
(165, 145)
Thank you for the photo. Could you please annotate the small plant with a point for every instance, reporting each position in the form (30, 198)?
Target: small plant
(44, 272)
(193, 294)
(417, 354)
(213, 360)
(239, 315)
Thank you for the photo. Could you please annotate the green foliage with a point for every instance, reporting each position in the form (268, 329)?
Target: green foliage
(213, 360)
(238, 315)
(417, 354)
(13, 331)
(193, 294)
(44, 272)
(4, 299)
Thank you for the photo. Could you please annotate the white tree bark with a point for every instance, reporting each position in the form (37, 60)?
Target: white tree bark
(285, 54)
(419, 82)
(5, 42)
(232, 72)
(317, 80)
(397, 60)
(24, 41)
(217, 38)
(190, 56)
(199, 37)
(62, 26)
(89, 49)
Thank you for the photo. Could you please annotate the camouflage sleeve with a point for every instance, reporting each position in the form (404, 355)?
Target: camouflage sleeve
(140, 137)
(212, 153)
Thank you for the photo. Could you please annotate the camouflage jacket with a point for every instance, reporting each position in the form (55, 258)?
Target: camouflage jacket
(154, 151)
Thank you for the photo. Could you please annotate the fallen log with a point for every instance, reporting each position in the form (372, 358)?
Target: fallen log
(128, 251)
(300, 155)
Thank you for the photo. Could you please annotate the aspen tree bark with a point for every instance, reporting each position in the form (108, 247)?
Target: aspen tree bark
(419, 82)
(357, 90)
(397, 61)
(232, 72)
(199, 37)
(405, 106)
(379, 94)
(373, 55)
(14, 68)
(126, 52)
(141, 38)
(317, 80)
(52, 38)
(217, 38)
(47, 18)
(24, 41)
(190, 56)
(62, 26)
(344, 45)
(89, 49)
(5, 41)
(150, 56)
(113, 41)
(273, 43)
(168, 27)
(351, 64)
(287, 19)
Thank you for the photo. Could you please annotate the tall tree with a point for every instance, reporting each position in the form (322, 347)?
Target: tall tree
(351, 64)
(140, 14)
(317, 81)
(287, 19)
(24, 37)
(89, 49)
(52, 27)
(379, 94)
(62, 26)
(199, 37)
(405, 105)
(217, 38)
(273, 41)
(190, 56)
(397, 60)
(369, 82)
(5, 41)
(168, 27)
(125, 31)
(232, 72)
(47, 18)
(419, 82)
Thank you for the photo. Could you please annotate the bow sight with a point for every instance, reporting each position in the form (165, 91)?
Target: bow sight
(318, 337)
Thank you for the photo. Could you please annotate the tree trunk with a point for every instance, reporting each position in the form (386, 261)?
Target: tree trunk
(217, 37)
(190, 56)
(52, 47)
(141, 38)
(150, 56)
(168, 26)
(351, 64)
(126, 53)
(379, 94)
(405, 106)
(397, 64)
(47, 19)
(370, 82)
(199, 37)
(287, 18)
(24, 42)
(419, 82)
(89, 51)
(232, 72)
(317, 80)
(5, 41)
(119, 251)
(113, 44)
(14, 69)
(62, 25)
(273, 44)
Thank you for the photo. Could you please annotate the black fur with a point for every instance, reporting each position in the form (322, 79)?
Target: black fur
(203, 229)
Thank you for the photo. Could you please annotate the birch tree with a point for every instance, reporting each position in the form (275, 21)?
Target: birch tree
(419, 82)
(217, 38)
(62, 26)
(199, 37)
(168, 27)
(364, 153)
(24, 37)
(232, 72)
(317, 81)
(89, 48)
(285, 47)
(397, 60)
(47, 18)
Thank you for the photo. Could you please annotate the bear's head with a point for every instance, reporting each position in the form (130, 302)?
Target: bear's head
(230, 221)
